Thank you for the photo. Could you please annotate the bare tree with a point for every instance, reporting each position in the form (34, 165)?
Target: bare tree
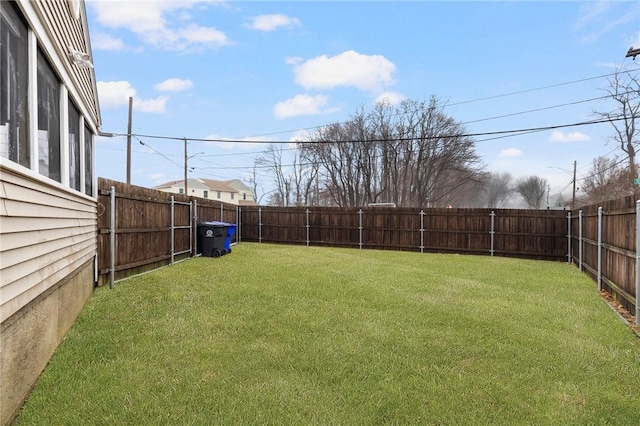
(412, 155)
(533, 190)
(498, 189)
(303, 177)
(607, 180)
(252, 181)
(624, 90)
(271, 162)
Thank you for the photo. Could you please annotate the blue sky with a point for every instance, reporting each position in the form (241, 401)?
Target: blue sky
(265, 71)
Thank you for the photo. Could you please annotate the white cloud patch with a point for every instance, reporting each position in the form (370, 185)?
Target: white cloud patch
(302, 105)
(350, 68)
(510, 153)
(163, 24)
(599, 18)
(154, 106)
(272, 22)
(174, 85)
(562, 137)
(102, 41)
(392, 98)
(116, 94)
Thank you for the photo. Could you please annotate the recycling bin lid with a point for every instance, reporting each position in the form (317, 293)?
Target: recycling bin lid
(214, 223)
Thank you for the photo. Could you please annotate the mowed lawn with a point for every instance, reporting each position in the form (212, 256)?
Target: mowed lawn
(274, 334)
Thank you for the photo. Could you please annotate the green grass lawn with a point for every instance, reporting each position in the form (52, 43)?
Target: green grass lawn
(275, 334)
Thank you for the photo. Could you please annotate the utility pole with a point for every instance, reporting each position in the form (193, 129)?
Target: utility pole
(185, 167)
(129, 142)
(573, 200)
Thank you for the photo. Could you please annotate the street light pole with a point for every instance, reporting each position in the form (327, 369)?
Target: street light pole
(573, 200)
(129, 141)
(185, 167)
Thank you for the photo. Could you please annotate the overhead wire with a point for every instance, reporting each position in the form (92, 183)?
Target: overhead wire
(493, 135)
(249, 140)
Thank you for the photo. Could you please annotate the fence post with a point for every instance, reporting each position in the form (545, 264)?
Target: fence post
(421, 231)
(112, 238)
(239, 222)
(493, 232)
(308, 227)
(360, 227)
(221, 212)
(259, 224)
(569, 237)
(172, 224)
(599, 248)
(580, 239)
(637, 262)
(193, 207)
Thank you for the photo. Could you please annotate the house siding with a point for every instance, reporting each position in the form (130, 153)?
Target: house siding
(48, 244)
(48, 230)
(63, 30)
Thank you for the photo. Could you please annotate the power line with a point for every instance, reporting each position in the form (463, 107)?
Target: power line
(444, 106)
(465, 135)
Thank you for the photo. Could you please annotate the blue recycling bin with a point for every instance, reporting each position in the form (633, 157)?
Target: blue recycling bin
(214, 238)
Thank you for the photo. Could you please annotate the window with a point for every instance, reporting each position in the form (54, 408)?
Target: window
(219, 195)
(74, 147)
(88, 161)
(231, 195)
(206, 194)
(14, 82)
(181, 191)
(244, 195)
(48, 120)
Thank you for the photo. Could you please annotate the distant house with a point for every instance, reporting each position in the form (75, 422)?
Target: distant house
(227, 191)
(49, 116)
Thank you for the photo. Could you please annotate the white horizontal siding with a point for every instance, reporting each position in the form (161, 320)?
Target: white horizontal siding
(64, 30)
(46, 233)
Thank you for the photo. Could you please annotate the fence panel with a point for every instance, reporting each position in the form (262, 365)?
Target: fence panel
(539, 234)
(143, 238)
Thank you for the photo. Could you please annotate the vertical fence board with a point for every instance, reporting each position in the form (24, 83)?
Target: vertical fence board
(143, 219)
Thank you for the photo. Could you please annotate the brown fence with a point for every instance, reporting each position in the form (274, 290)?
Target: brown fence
(603, 245)
(151, 230)
(537, 234)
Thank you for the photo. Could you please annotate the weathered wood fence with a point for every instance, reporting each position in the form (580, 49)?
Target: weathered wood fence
(604, 244)
(140, 229)
(145, 229)
(536, 234)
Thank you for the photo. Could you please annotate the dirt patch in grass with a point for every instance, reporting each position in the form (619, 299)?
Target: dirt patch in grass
(624, 314)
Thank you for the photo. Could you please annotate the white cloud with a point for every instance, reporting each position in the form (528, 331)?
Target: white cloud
(155, 106)
(603, 17)
(116, 94)
(591, 12)
(102, 41)
(174, 85)
(392, 98)
(302, 105)
(293, 60)
(365, 72)
(510, 153)
(163, 24)
(272, 22)
(561, 137)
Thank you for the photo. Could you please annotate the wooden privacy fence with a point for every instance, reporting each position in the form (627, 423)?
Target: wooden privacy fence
(140, 229)
(537, 234)
(605, 245)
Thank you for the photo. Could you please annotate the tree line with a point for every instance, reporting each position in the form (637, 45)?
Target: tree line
(415, 155)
